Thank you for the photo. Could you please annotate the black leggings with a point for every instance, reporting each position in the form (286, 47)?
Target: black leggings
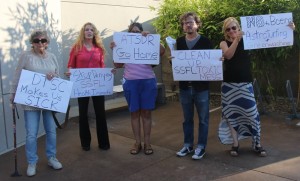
(101, 126)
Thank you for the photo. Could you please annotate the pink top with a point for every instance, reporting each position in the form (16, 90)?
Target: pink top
(138, 71)
(85, 58)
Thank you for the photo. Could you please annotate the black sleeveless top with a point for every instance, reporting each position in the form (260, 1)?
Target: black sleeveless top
(238, 68)
(202, 44)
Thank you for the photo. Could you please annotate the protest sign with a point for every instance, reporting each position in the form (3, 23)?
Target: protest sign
(267, 31)
(35, 90)
(197, 65)
(91, 82)
(136, 48)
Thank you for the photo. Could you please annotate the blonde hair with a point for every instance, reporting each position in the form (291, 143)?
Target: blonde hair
(97, 40)
(226, 23)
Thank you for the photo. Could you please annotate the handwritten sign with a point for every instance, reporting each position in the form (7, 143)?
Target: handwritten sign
(91, 82)
(136, 48)
(35, 90)
(197, 65)
(267, 31)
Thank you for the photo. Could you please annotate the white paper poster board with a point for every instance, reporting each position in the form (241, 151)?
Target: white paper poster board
(136, 48)
(197, 65)
(267, 31)
(91, 82)
(35, 90)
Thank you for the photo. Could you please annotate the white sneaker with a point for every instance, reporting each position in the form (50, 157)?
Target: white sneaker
(31, 170)
(54, 163)
(199, 153)
(184, 151)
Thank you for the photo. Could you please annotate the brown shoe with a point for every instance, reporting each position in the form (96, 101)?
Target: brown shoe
(136, 149)
(148, 149)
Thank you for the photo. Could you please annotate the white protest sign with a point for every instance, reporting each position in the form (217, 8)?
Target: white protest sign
(197, 65)
(136, 48)
(35, 90)
(91, 82)
(267, 31)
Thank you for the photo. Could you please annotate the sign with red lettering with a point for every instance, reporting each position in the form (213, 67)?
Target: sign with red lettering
(91, 82)
(136, 48)
(267, 31)
(35, 90)
(197, 65)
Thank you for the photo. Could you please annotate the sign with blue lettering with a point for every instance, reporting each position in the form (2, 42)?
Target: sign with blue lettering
(267, 31)
(197, 65)
(35, 90)
(91, 82)
(136, 48)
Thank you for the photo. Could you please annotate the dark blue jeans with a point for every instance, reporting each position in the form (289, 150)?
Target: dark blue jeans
(188, 99)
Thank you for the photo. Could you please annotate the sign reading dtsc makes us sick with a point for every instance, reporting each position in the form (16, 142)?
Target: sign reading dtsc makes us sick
(34, 89)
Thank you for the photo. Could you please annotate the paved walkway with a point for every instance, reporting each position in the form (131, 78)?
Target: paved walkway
(280, 138)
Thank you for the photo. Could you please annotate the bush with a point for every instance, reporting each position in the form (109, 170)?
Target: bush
(266, 63)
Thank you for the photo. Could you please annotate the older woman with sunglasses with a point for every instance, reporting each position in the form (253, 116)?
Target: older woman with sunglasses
(240, 118)
(41, 61)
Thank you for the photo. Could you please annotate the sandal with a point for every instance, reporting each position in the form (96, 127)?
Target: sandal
(234, 151)
(260, 151)
(136, 149)
(148, 149)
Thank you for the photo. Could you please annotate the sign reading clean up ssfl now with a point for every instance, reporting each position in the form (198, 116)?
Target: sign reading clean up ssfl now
(197, 65)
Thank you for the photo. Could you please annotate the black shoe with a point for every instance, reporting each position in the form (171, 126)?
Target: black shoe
(86, 148)
(106, 147)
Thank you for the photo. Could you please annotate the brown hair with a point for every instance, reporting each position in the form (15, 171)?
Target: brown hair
(194, 15)
(139, 25)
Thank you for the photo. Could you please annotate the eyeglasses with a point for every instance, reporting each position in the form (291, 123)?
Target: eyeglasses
(189, 23)
(135, 32)
(44, 40)
(232, 28)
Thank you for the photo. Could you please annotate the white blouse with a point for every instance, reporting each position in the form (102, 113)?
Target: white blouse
(35, 63)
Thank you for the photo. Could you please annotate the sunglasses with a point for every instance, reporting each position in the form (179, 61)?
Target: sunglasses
(135, 32)
(39, 40)
(232, 28)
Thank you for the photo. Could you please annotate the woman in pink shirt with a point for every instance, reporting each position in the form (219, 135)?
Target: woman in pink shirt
(88, 52)
(140, 91)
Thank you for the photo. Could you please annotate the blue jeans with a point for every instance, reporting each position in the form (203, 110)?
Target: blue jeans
(32, 120)
(188, 98)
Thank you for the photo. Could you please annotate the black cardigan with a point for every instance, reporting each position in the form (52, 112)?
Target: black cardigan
(202, 44)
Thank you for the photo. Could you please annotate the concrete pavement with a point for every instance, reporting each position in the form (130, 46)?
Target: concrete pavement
(279, 137)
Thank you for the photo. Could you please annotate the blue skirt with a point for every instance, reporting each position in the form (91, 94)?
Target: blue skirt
(240, 111)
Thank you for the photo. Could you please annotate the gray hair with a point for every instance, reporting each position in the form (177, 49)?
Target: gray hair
(37, 33)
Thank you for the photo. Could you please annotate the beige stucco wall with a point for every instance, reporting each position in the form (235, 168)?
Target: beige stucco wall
(109, 17)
